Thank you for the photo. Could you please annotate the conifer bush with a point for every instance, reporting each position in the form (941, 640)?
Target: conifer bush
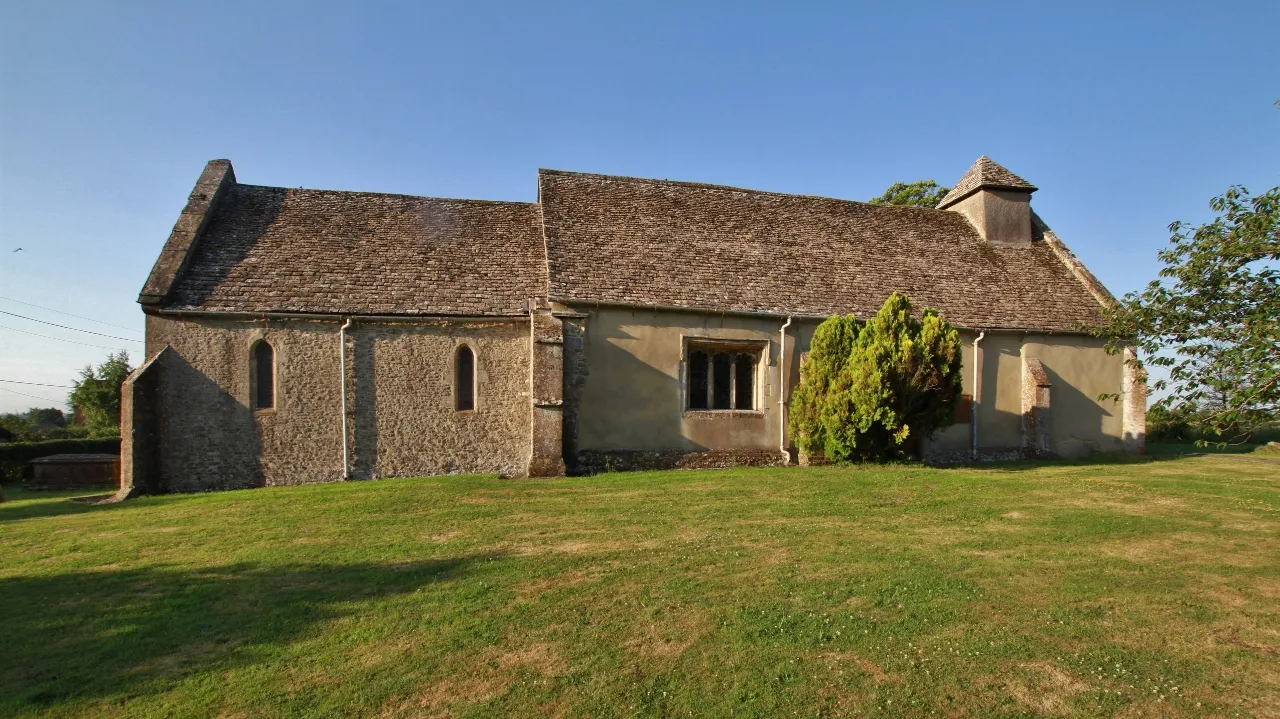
(872, 391)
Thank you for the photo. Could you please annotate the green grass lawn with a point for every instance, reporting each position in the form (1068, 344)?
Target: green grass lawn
(1142, 588)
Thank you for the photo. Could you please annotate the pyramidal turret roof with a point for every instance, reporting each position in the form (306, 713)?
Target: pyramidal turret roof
(984, 173)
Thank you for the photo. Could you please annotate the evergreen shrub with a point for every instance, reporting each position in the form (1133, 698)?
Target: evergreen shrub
(872, 392)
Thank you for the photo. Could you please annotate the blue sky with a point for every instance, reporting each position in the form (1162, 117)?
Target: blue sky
(1127, 116)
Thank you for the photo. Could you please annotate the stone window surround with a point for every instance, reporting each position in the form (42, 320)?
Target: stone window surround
(475, 377)
(756, 348)
(252, 384)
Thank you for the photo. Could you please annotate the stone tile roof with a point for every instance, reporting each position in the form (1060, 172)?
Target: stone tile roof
(271, 249)
(657, 242)
(607, 239)
(984, 173)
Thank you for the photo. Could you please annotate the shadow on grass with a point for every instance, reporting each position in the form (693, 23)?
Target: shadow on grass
(1155, 452)
(28, 504)
(89, 635)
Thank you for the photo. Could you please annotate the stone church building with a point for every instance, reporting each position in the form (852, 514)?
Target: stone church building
(297, 335)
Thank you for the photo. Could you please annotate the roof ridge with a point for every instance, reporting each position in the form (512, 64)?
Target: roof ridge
(366, 193)
(984, 172)
(730, 188)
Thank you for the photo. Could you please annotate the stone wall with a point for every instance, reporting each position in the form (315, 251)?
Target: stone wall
(140, 428)
(546, 337)
(590, 461)
(575, 378)
(401, 416)
(1135, 404)
(1036, 408)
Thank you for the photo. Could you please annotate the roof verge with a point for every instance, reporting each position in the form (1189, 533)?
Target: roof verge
(217, 176)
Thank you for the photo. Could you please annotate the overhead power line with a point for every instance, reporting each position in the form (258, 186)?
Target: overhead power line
(60, 312)
(75, 329)
(31, 396)
(37, 384)
(50, 337)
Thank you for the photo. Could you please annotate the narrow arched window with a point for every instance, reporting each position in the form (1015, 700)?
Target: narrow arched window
(464, 379)
(264, 376)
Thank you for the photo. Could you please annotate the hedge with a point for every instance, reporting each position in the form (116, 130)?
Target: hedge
(14, 456)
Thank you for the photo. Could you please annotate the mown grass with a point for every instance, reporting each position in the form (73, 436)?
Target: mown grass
(1134, 588)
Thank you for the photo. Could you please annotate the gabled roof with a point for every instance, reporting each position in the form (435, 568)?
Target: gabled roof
(271, 249)
(597, 238)
(984, 173)
(656, 242)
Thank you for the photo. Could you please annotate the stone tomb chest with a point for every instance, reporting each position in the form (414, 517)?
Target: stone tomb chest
(76, 471)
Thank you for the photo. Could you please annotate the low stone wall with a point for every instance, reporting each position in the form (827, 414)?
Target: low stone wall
(596, 461)
(944, 457)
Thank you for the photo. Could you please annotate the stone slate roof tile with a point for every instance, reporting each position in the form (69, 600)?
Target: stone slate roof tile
(617, 240)
(984, 173)
(657, 242)
(271, 249)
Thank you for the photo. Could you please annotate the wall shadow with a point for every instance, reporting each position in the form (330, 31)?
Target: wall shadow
(363, 385)
(88, 635)
(1099, 459)
(1069, 409)
(643, 402)
(17, 506)
(219, 445)
(241, 219)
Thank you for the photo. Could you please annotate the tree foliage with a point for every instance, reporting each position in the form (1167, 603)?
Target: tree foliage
(36, 424)
(97, 392)
(872, 392)
(53, 416)
(922, 193)
(829, 351)
(1213, 319)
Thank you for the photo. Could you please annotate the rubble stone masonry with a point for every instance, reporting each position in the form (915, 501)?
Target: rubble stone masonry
(400, 401)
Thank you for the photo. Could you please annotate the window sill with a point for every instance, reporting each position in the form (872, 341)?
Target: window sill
(723, 414)
(264, 411)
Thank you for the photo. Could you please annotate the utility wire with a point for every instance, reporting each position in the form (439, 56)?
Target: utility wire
(37, 384)
(50, 337)
(76, 329)
(60, 312)
(42, 399)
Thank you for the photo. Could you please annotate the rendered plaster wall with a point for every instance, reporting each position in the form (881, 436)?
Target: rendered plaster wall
(1001, 217)
(401, 416)
(1079, 369)
(627, 380)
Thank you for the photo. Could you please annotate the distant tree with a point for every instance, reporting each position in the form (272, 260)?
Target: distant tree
(923, 193)
(17, 424)
(46, 416)
(97, 392)
(872, 392)
(1213, 320)
(1165, 425)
